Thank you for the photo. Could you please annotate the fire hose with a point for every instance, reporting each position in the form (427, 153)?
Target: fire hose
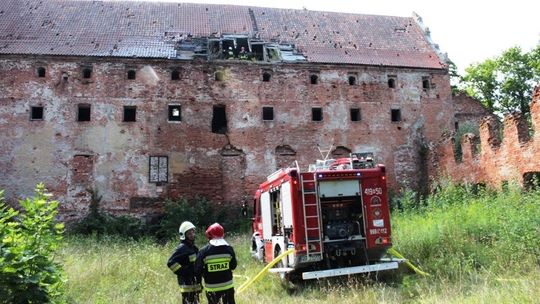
(264, 270)
(394, 252)
(248, 283)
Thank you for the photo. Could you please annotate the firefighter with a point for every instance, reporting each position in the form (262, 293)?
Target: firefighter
(182, 263)
(215, 262)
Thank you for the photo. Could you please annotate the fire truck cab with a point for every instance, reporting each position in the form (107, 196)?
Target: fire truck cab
(335, 216)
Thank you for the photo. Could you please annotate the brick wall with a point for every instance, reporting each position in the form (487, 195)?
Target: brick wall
(222, 167)
(494, 160)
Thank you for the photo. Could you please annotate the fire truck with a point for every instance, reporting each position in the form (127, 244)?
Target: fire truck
(335, 216)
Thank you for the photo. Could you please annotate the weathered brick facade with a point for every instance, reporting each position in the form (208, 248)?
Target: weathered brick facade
(492, 160)
(141, 129)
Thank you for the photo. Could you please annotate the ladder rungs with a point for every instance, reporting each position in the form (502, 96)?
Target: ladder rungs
(310, 204)
(312, 216)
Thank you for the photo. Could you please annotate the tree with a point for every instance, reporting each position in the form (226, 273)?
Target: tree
(504, 84)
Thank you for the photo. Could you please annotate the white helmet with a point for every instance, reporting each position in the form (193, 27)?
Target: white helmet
(184, 227)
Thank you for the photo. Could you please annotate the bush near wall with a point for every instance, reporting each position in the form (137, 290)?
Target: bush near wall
(28, 241)
(201, 212)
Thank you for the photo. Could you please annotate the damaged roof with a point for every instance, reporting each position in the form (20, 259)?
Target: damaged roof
(152, 30)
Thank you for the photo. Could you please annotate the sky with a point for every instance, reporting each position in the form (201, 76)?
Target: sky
(469, 31)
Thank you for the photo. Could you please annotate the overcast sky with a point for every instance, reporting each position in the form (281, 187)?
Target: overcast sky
(468, 30)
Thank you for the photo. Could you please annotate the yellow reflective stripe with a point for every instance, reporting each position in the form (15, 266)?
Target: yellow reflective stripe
(219, 286)
(190, 288)
(174, 267)
(219, 260)
(217, 256)
(192, 258)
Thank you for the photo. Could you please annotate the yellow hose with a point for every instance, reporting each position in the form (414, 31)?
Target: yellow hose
(264, 270)
(394, 252)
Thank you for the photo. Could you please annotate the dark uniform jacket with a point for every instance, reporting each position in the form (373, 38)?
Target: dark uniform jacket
(215, 264)
(182, 264)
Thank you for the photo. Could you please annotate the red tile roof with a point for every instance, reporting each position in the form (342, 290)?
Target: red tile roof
(144, 29)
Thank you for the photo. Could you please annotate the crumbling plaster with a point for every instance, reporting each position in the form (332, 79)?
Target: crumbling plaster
(198, 165)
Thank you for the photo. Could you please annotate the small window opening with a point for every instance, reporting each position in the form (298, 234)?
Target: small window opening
(83, 113)
(391, 81)
(219, 120)
(352, 80)
(355, 114)
(175, 75)
(268, 113)
(131, 74)
(396, 115)
(316, 114)
(314, 79)
(219, 76)
(36, 113)
(175, 113)
(266, 76)
(425, 83)
(531, 181)
(130, 113)
(456, 125)
(87, 72)
(41, 72)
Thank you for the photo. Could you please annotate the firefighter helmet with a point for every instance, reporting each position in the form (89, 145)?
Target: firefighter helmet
(215, 231)
(185, 227)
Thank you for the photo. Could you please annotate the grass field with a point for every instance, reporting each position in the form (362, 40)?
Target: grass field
(477, 249)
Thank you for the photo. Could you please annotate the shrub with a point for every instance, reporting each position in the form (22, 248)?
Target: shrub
(28, 241)
(100, 223)
(202, 213)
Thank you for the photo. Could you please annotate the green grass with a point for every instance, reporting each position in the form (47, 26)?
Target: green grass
(477, 249)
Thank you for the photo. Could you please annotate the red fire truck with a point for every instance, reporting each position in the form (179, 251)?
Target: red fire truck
(335, 216)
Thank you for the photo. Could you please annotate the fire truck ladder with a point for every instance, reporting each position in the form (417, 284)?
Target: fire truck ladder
(312, 220)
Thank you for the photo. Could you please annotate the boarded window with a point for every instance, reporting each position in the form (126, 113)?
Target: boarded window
(268, 113)
(130, 113)
(219, 120)
(396, 115)
(316, 114)
(355, 114)
(175, 113)
(36, 113)
(82, 169)
(83, 112)
(159, 169)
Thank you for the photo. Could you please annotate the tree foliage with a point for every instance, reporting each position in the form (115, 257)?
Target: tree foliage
(28, 241)
(504, 84)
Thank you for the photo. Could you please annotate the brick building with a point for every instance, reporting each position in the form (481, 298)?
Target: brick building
(143, 101)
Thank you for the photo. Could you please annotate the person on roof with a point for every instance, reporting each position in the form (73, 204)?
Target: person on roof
(182, 263)
(215, 263)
